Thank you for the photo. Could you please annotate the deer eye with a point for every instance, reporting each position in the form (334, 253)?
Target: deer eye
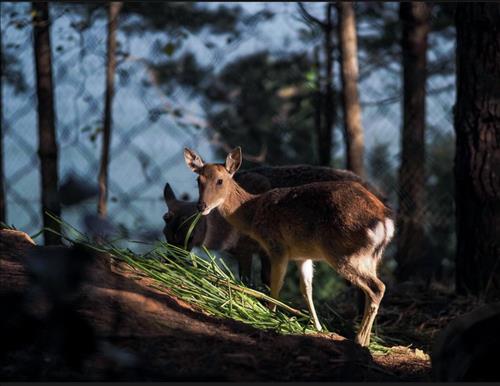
(219, 182)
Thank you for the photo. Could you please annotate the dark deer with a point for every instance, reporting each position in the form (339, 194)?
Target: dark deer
(339, 222)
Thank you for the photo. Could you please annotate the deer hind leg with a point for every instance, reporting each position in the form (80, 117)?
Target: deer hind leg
(306, 279)
(371, 309)
(361, 271)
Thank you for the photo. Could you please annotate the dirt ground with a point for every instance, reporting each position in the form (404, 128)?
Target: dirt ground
(129, 331)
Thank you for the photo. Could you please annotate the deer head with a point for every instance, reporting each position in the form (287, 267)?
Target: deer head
(176, 219)
(214, 180)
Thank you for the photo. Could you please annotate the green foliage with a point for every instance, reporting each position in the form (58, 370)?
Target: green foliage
(172, 16)
(259, 100)
(379, 31)
(184, 71)
(12, 71)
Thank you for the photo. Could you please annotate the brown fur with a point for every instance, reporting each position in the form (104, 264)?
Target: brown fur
(216, 233)
(343, 209)
(341, 223)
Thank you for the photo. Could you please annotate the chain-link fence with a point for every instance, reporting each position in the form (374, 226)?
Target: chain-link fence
(154, 117)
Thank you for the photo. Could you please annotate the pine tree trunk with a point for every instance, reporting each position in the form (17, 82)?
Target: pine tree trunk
(414, 18)
(326, 143)
(477, 158)
(353, 129)
(3, 212)
(113, 12)
(47, 147)
(318, 101)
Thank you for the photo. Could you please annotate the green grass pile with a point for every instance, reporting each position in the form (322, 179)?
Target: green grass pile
(207, 282)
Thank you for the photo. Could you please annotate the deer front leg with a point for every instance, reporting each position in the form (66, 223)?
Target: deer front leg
(278, 271)
(265, 268)
(245, 267)
(306, 270)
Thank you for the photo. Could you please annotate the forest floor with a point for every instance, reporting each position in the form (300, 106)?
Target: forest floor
(142, 333)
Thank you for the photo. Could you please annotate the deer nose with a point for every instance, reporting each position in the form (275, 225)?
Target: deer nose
(202, 206)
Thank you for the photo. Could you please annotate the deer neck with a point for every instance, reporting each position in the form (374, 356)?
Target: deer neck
(239, 207)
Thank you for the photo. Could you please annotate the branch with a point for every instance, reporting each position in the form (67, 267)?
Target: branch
(308, 17)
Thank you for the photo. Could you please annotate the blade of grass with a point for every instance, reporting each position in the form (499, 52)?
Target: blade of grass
(191, 228)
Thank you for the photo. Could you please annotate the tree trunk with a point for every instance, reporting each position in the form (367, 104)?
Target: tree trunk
(47, 147)
(477, 158)
(318, 101)
(353, 129)
(3, 214)
(414, 18)
(326, 143)
(113, 11)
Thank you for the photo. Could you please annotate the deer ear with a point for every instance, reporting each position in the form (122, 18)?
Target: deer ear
(233, 161)
(168, 193)
(193, 160)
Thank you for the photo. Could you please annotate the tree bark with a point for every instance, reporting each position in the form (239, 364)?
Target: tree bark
(47, 147)
(326, 143)
(3, 214)
(353, 129)
(477, 157)
(318, 100)
(113, 12)
(414, 18)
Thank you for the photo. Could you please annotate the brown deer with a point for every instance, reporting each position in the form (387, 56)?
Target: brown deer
(216, 233)
(341, 223)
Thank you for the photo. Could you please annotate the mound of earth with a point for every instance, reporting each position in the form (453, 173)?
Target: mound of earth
(118, 327)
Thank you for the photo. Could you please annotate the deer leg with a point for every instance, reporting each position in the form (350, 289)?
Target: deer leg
(371, 309)
(278, 271)
(362, 272)
(245, 268)
(306, 278)
(265, 269)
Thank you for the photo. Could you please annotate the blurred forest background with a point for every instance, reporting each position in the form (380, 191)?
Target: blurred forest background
(212, 76)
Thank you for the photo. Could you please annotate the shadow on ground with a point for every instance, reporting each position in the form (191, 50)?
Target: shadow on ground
(123, 329)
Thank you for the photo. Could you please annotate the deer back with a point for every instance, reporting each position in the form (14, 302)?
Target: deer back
(332, 215)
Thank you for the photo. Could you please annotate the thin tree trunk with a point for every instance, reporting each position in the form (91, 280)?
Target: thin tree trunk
(47, 147)
(477, 158)
(414, 18)
(113, 11)
(3, 211)
(354, 139)
(326, 143)
(317, 100)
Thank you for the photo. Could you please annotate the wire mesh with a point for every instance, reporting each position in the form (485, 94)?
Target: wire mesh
(153, 121)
